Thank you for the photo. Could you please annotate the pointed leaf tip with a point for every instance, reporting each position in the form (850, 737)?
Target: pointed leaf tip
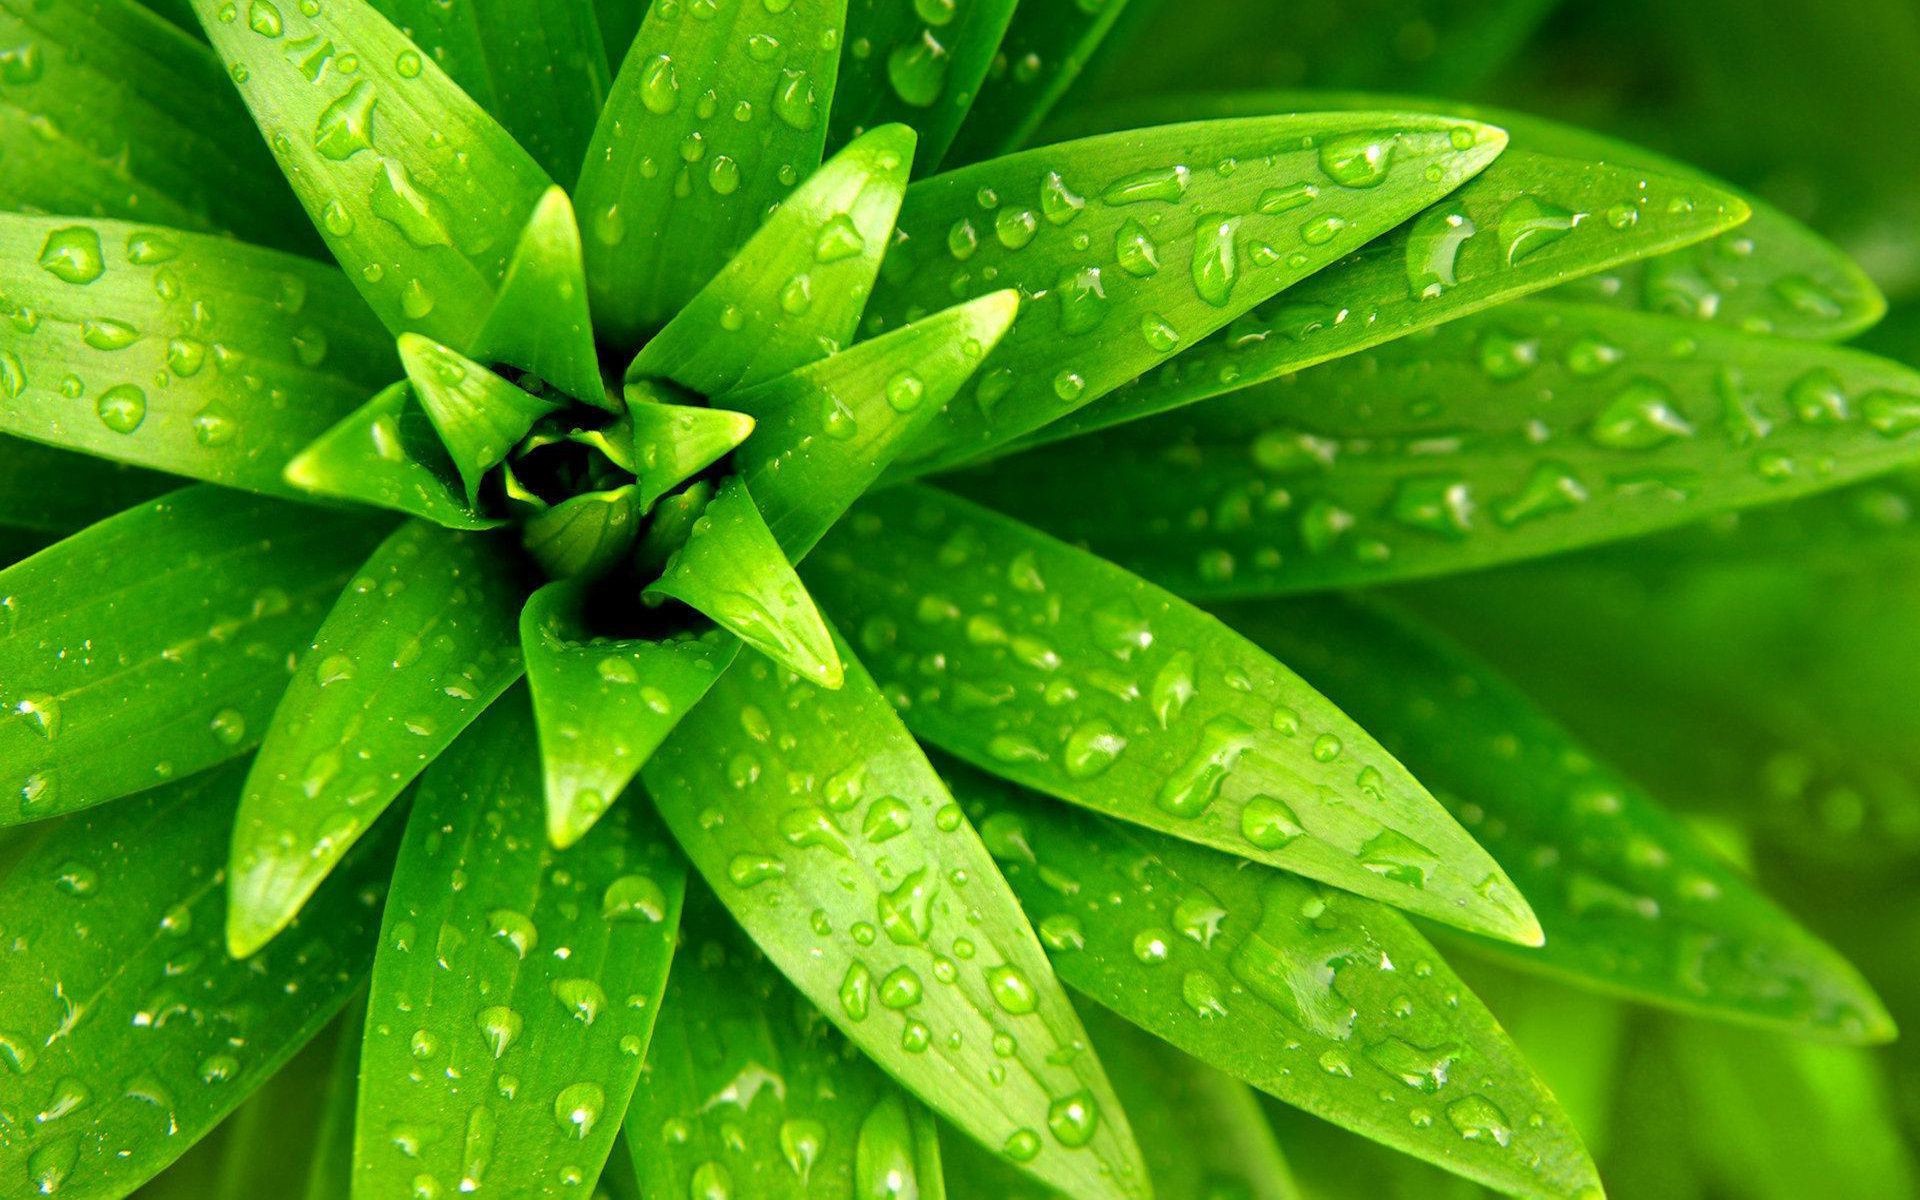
(540, 322)
(478, 415)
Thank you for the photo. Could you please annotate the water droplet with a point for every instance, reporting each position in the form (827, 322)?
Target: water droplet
(345, 127)
(72, 254)
(122, 407)
(1477, 1119)
(1640, 417)
(1160, 183)
(1530, 224)
(917, 69)
(659, 85)
(634, 898)
(1194, 785)
(578, 1107)
(500, 1026)
(1268, 822)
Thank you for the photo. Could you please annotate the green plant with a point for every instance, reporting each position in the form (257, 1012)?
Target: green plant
(652, 433)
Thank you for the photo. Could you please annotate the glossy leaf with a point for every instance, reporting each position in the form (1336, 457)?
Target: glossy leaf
(423, 234)
(714, 117)
(1531, 429)
(1202, 1132)
(1326, 1001)
(794, 292)
(674, 442)
(585, 535)
(1631, 903)
(917, 64)
(132, 1031)
(51, 490)
(478, 415)
(1135, 245)
(516, 986)
(183, 352)
(538, 68)
(732, 570)
(539, 322)
(1573, 1039)
(1065, 674)
(749, 1091)
(842, 855)
(828, 430)
(113, 112)
(387, 453)
(604, 704)
(417, 646)
(155, 644)
(1043, 52)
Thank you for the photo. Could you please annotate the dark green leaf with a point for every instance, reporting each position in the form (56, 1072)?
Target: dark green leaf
(51, 490)
(129, 1030)
(585, 535)
(1044, 49)
(112, 112)
(1328, 1002)
(189, 353)
(388, 454)
(418, 645)
(716, 114)
(423, 233)
(817, 820)
(749, 1091)
(1064, 673)
(540, 322)
(516, 986)
(155, 644)
(1136, 245)
(604, 704)
(732, 570)
(478, 415)
(828, 430)
(619, 25)
(795, 291)
(330, 1173)
(920, 64)
(1531, 429)
(674, 442)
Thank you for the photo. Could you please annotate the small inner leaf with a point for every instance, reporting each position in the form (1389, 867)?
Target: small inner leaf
(540, 322)
(674, 442)
(388, 454)
(478, 415)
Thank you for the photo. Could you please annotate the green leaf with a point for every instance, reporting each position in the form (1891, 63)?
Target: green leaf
(714, 117)
(155, 644)
(189, 353)
(1528, 430)
(732, 570)
(330, 1173)
(1631, 903)
(539, 68)
(749, 1091)
(1326, 1001)
(51, 490)
(674, 442)
(1043, 52)
(1573, 1039)
(424, 234)
(844, 858)
(130, 1031)
(418, 645)
(176, 149)
(1202, 1132)
(917, 64)
(604, 704)
(478, 415)
(1135, 245)
(828, 430)
(516, 986)
(584, 535)
(619, 25)
(1065, 674)
(540, 322)
(794, 293)
(387, 453)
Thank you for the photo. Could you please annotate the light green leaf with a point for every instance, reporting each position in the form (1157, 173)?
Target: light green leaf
(155, 644)
(192, 354)
(418, 645)
(674, 442)
(540, 322)
(749, 1091)
(715, 116)
(845, 859)
(1331, 1003)
(1043, 52)
(671, 524)
(828, 430)
(794, 293)
(539, 67)
(919, 64)
(585, 535)
(1528, 430)
(124, 1060)
(422, 233)
(1631, 903)
(516, 986)
(1136, 245)
(1065, 674)
(604, 704)
(387, 453)
(478, 415)
(1202, 1132)
(50, 490)
(732, 570)
(176, 149)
